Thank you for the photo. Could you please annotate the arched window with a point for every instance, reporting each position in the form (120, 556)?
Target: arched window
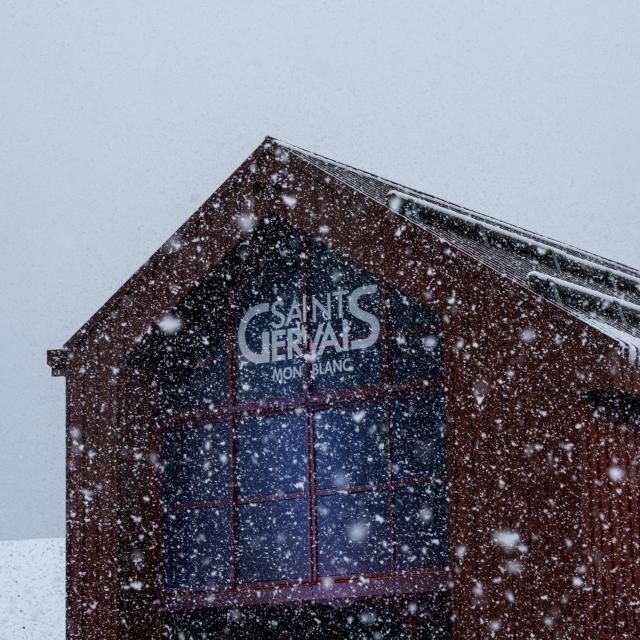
(302, 436)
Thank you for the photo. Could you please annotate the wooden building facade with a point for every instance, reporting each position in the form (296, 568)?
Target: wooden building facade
(333, 406)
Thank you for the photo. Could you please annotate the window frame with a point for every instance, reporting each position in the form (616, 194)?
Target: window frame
(313, 588)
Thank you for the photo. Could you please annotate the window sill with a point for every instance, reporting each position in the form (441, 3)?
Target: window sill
(337, 589)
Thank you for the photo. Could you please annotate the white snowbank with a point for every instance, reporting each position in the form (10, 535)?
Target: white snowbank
(32, 589)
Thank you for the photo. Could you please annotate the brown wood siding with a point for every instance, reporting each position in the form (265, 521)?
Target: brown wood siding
(138, 516)
(512, 410)
(611, 514)
(111, 520)
(513, 414)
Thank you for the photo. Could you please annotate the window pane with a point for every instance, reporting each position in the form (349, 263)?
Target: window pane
(184, 387)
(197, 548)
(350, 446)
(196, 463)
(269, 320)
(345, 319)
(205, 341)
(421, 527)
(273, 541)
(416, 357)
(409, 313)
(418, 435)
(353, 534)
(354, 368)
(272, 455)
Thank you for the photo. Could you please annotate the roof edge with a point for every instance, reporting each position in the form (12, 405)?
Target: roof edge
(99, 315)
(58, 360)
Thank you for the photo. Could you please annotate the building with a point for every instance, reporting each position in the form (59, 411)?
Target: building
(332, 406)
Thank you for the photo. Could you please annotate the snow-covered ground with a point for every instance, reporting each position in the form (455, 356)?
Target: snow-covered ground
(32, 589)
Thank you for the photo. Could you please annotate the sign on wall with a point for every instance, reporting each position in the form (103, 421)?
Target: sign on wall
(333, 319)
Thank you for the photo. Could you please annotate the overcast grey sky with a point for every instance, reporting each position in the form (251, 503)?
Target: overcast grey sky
(119, 118)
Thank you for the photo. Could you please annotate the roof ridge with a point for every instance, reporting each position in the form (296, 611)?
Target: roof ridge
(577, 252)
(635, 279)
(612, 289)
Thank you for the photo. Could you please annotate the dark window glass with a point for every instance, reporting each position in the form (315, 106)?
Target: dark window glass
(184, 387)
(345, 319)
(418, 437)
(273, 540)
(205, 341)
(198, 366)
(272, 454)
(304, 309)
(196, 463)
(350, 446)
(353, 368)
(421, 527)
(407, 313)
(416, 356)
(269, 307)
(197, 548)
(353, 534)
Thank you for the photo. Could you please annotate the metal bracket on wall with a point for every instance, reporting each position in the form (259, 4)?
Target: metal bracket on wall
(58, 359)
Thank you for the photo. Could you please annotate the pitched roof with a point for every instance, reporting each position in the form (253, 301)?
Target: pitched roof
(600, 292)
(603, 293)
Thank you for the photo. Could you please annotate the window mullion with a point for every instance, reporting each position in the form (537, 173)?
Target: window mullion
(308, 388)
(231, 391)
(390, 510)
(386, 378)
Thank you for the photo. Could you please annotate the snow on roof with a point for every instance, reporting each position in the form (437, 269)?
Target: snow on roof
(628, 343)
(396, 197)
(605, 299)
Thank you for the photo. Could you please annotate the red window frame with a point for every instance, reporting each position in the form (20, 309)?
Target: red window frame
(313, 588)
